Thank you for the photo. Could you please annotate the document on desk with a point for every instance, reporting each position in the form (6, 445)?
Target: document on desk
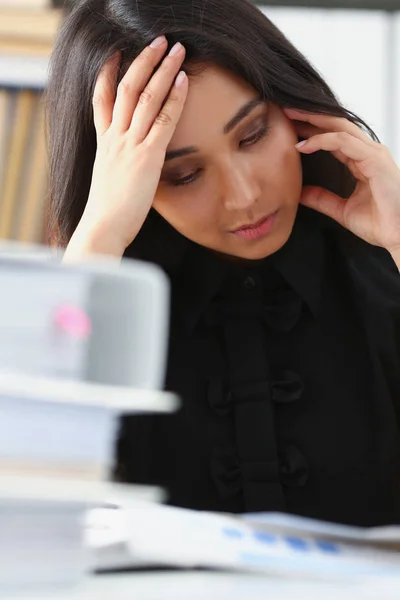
(273, 544)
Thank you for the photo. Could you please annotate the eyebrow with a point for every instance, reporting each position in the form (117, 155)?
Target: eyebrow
(242, 113)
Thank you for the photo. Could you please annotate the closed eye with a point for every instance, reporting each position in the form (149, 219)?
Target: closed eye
(250, 141)
(185, 180)
(261, 134)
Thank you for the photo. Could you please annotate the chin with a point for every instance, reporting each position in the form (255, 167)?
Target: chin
(262, 251)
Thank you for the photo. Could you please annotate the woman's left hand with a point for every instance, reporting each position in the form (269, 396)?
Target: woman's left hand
(373, 210)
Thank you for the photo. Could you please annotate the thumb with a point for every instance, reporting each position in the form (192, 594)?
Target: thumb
(325, 202)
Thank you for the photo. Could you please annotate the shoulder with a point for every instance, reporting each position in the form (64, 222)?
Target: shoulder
(370, 266)
(347, 244)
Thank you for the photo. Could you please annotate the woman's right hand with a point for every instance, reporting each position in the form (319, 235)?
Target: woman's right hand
(133, 127)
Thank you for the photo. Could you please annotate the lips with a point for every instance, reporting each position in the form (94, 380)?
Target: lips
(252, 225)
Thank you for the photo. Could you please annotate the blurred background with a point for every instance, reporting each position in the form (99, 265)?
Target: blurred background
(355, 44)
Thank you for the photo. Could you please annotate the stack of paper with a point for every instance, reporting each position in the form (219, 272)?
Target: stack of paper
(42, 529)
(45, 435)
(79, 345)
(269, 544)
(59, 410)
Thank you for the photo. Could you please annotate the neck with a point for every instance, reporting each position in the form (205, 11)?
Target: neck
(396, 256)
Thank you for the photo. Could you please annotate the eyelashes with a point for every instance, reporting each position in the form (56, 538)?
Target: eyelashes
(185, 180)
(250, 141)
(261, 134)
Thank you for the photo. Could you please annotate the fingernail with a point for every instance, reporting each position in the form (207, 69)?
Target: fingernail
(301, 144)
(158, 42)
(175, 49)
(180, 79)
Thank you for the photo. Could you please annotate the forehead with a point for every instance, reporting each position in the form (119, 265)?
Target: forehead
(214, 96)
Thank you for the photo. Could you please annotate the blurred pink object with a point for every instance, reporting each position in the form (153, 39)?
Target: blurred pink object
(74, 321)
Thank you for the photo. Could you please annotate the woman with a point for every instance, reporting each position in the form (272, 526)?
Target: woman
(173, 135)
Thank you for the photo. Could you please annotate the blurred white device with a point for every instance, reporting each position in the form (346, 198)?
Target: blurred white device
(100, 321)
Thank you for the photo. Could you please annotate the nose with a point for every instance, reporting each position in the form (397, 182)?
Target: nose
(241, 189)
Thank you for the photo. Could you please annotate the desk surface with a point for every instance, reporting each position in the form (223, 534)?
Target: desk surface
(219, 586)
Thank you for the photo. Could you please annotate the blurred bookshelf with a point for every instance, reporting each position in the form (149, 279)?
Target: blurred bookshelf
(27, 32)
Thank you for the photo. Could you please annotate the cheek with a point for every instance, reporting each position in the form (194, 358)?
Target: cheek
(291, 167)
(185, 211)
(285, 163)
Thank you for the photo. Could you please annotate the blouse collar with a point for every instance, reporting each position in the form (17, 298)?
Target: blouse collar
(300, 262)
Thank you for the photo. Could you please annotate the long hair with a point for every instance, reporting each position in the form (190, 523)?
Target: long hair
(233, 34)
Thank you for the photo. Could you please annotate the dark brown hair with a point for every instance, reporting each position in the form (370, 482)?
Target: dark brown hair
(233, 34)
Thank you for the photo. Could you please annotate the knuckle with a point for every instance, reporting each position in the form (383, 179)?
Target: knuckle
(124, 88)
(146, 96)
(174, 97)
(168, 63)
(383, 149)
(344, 136)
(146, 55)
(163, 118)
(145, 60)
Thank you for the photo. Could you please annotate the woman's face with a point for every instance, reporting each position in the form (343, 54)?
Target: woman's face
(231, 175)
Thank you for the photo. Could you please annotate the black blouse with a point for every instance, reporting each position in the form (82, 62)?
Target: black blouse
(289, 376)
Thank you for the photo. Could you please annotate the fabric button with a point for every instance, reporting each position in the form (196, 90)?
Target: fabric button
(249, 283)
(286, 387)
(293, 468)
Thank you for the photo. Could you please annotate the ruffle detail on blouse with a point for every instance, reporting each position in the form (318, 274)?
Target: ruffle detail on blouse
(225, 472)
(232, 476)
(293, 467)
(282, 309)
(288, 387)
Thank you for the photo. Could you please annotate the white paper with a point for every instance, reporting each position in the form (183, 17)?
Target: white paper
(187, 539)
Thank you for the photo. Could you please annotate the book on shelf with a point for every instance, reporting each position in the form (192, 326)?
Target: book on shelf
(23, 48)
(23, 165)
(28, 29)
(32, 203)
(35, 26)
(30, 4)
(4, 133)
(17, 157)
(26, 41)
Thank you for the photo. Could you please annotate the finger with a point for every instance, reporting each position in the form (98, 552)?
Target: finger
(133, 83)
(337, 142)
(104, 94)
(336, 153)
(165, 123)
(155, 94)
(306, 131)
(330, 123)
(325, 202)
